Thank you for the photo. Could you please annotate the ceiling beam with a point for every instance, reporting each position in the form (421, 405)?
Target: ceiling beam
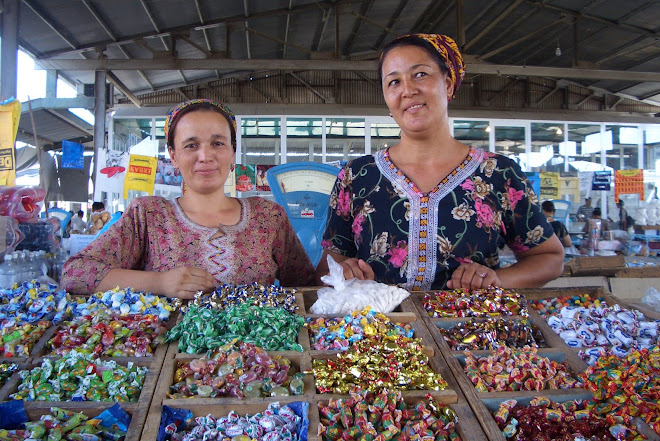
(392, 21)
(112, 78)
(441, 16)
(492, 24)
(70, 121)
(140, 72)
(43, 15)
(286, 30)
(279, 40)
(196, 26)
(542, 31)
(277, 64)
(307, 85)
(92, 9)
(364, 9)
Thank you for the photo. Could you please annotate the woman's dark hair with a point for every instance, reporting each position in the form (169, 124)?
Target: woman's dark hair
(548, 206)
(597, 212)
(194, 108)
(98, 206)
(620, 203)
(411, 40)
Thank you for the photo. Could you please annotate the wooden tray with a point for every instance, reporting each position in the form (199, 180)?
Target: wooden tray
(138, 409)
(597, 265)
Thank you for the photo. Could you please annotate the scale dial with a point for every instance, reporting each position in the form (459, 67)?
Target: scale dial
(306, 180)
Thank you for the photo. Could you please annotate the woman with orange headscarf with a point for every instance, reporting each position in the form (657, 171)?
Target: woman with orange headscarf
(431, 212)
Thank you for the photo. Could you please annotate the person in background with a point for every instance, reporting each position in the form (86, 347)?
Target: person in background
(78, 223)
(625, 220)
(559, 228)
(431, 212)
(585, 211)
(604, 223)
(97, 207)
(201, 239)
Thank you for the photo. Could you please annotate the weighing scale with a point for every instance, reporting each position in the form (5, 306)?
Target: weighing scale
(303, 189)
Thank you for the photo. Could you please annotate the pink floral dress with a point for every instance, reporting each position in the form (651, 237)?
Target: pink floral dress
(417, 240)
(154, 234)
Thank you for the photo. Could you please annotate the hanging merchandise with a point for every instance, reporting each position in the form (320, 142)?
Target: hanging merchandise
(72, 155)
(549, 185)
(245, 177)
(629, 182)
(602, 180)
(10, 113)
(141, 174)
(262, 182)
(535, 181)
(167, 174)
(110, 172)
(586, 182)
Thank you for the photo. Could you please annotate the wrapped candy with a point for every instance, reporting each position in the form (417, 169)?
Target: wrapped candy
(19, 340)
(369, 416)
(31, 302)
(275, 423)
(512, 369)
(125, 302)
(547, 420)
(253, 294)
(596, 327)
(489, 302)
(340, 333)
(493, 333)
(203, 329)
(378, 362)
(80, 377)
(109, 335)
(6, 370)
(627, 387)
(238, 370)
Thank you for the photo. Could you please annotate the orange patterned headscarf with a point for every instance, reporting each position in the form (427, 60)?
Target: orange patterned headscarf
(448, 50)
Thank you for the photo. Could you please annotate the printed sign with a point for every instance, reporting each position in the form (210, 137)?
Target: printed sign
(141, 174)
(549, 185)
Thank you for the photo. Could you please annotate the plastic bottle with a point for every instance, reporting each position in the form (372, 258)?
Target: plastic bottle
(19, 262)
(42, 263)
(7, 272)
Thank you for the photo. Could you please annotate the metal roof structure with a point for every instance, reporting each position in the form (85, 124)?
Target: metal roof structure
(523, 55)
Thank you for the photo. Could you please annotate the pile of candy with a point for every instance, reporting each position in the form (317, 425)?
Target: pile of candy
(378, 362)
(511, 369)
(340, 333)
(599, 327)
(124, 302)
(545, 420)
(237, 371)
(252, 294)
(6, 369)
(19, 340)
(493, 333)
(386, 416)
(632, 384)
(552, 306)
(80, 377)
(275, 423)
(487, 302)
(65, 425)
(203, 329)
(31, 302)
(642, 264)
(109, 335)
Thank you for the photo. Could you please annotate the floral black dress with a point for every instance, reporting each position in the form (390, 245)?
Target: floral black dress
(417, 240)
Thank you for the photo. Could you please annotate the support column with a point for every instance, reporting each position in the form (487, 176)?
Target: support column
(51, 83)
(9, 57)
(99, 121)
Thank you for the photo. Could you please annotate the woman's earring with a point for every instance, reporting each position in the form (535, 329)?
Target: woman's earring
(390, 114)
(231, 168)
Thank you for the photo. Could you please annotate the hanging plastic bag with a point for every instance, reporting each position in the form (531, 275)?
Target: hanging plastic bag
(10, 235)
(22, 202)
(652, 299)
(346, 296)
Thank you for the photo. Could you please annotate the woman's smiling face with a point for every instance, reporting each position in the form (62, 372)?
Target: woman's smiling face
(415, 88)
(203, 151)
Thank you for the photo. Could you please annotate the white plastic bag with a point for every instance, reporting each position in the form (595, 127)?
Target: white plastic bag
(346, 296)
(652, 299)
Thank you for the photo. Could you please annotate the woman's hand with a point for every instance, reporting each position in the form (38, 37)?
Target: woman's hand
(357, 269)
(473, 276)
(184, 281)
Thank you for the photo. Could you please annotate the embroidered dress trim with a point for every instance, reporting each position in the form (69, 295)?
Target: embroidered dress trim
(215, 253)
(423, 224)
